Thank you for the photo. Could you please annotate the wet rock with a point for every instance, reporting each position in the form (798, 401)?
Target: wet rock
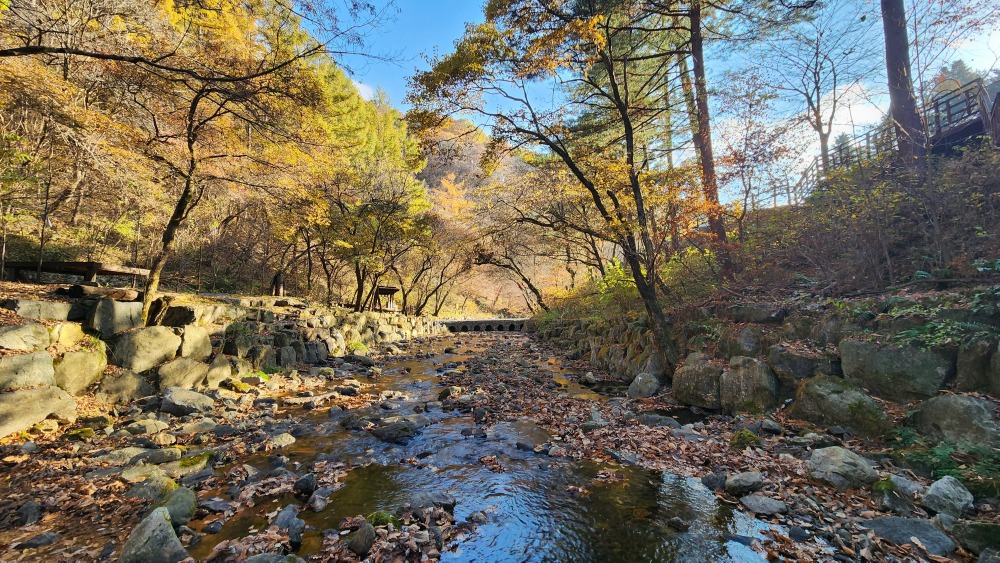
(450, 393)
(747, 386)
(401, 432)
(28, 337)
(744, 483)
(28, 513)
(41, 540)
(644, 385)
(288, 521)
(362, 540)
(305, 486)
(894, 373)
(828, 400)
(841, 468)
(182, 402)
(624, 457)
(153, 541)
(434, 499)
(959, 419)
(760, 504)
(697, 382)
(26, 370)
(145, 348)
(320, 499)
(899, 530)
(947, 496)
(213, 527)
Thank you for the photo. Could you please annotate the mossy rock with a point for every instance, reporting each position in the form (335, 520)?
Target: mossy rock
(831, 401)
(80, 434)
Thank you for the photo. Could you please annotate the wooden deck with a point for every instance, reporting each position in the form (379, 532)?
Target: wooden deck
(89, 270)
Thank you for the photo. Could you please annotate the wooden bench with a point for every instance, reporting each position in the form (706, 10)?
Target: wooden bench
(89, 270)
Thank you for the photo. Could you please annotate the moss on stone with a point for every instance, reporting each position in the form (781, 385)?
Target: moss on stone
(743, 439)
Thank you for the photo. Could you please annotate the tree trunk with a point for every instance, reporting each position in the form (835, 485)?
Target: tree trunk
(710, 186)
(902, 101)
(181, 210)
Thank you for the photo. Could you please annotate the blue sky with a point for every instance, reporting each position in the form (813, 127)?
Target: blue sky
(420, 27)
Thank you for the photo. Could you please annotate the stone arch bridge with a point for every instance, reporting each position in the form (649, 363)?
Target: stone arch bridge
(486, 325)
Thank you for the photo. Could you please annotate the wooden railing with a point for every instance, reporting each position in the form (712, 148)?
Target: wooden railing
(949, 117)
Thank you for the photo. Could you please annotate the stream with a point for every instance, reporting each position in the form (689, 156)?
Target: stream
(535, 510)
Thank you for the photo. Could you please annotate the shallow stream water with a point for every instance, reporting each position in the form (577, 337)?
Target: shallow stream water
(535, 511)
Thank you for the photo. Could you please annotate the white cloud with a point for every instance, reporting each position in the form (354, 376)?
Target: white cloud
(364, 90)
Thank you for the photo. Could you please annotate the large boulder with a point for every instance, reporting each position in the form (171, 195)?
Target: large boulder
(901, 531)
(145, 348)
(181, 402)
(29, 337)
(218, 371)
(124, 387)
(757, 313)
(110, 317)
(975, 370)
(181, 504)
(948, 496)
(77, 370)
(153, 541)
(49, 310)
(894, 373)
(644, 385)
(26, 370)
(747, 386)
(978, 537)
(66, 335)
(182, 372)
(196, 343)
(742, 341)
(697, 382)
(792, 366)
(959, 419)
(841, 468)
(831, 401)
(20, 410)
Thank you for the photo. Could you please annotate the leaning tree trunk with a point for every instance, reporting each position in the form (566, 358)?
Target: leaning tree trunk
(181, 210)
(902, 101)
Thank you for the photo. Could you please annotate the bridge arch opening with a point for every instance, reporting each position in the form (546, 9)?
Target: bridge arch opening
(465, 328)
(477, 328)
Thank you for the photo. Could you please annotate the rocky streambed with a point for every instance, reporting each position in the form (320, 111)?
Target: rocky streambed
(478, 447)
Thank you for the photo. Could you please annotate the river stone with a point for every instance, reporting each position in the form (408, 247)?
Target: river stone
(274, 558)
(288, 521)
(181, 504)
(841, 468)
(747, 386)
(66, 335)
(26, 370)
(153, 541)
(183, 402)
(195, 343)
(155, 488)
(899, 530)
(977, 537)
(28, 513)
(20, 410)
(29, 337)
(41, 540)
(894, 373)
(146, 426)
(697, 382)
(77, 370)
(218, 371)
(282, 440)
(760, 504)
(947, 496)
(959, 419)
(184, 373)
(186, 465)
(123, 388)
(145, 348)
(401, 432)
(832, 401)
(361, 542)
(741, 484)
(644, 385)
(109, 317)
